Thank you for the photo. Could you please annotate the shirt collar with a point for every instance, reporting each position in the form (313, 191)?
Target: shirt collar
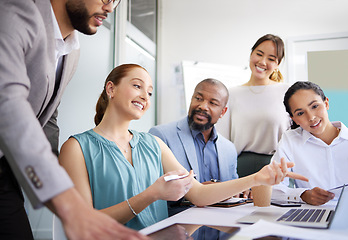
(305, 135)
(66, 46)
(213, 136)
(343, 133)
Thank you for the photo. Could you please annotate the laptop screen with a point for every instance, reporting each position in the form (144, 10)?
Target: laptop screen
(340, 217)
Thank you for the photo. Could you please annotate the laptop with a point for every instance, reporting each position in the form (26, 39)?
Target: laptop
(305, 217)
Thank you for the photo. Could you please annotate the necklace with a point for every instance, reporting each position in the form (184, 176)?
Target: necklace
(124, 149)
(257, 92)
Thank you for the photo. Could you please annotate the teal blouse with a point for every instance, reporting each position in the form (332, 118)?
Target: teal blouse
(113, 179)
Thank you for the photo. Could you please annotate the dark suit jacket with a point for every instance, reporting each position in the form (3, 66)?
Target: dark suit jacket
(27, 82)
(178, 137)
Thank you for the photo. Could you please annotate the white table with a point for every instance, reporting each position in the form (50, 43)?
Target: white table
(227, 217)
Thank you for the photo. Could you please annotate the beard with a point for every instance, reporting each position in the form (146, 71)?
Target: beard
(197, 126)
(79, 17)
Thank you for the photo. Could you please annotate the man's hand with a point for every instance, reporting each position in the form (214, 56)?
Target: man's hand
(81, 221)
(317, 196)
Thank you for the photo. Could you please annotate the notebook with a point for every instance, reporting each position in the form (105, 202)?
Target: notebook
(305, 217)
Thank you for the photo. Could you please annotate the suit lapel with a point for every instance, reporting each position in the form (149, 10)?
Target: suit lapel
(69, 65)
(44, 7)
(222, 161)
(188, 144)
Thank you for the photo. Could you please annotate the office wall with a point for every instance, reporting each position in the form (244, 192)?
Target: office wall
(223, 32)
(333, 82)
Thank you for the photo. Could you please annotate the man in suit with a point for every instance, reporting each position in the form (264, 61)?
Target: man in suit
(194, 140)
(39, 54)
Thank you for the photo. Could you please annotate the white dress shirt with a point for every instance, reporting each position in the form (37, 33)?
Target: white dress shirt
(63, 46)
(326, 166)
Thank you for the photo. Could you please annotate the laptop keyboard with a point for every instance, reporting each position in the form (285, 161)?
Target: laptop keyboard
(303, 215)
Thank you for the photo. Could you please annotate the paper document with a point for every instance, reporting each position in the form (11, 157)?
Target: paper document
(337, 190)
(264, 228)
(233, 200)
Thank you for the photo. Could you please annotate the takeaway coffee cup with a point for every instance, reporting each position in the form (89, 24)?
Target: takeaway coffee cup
(262, 195)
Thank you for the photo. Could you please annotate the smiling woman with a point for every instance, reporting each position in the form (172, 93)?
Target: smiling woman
(307, 106)
(317, 146)
(256, 117)
(127, 91)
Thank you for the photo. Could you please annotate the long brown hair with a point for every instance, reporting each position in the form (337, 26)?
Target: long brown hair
(279, 44)
(115, 77)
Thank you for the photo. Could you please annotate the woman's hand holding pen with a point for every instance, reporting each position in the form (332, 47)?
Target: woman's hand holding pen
(274, 173)
(172, 189)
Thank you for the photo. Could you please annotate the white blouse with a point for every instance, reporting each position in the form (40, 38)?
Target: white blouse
(326, 166)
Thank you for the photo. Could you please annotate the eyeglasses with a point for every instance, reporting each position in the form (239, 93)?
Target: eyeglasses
(114, 2)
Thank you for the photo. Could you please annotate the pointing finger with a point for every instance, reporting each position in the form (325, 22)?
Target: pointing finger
(297, 176)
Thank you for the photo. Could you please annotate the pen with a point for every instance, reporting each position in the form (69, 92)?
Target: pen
(337, 187)
(174, 177)
(214, 180)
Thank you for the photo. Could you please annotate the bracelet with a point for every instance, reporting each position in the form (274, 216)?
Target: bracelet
(130, 207)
